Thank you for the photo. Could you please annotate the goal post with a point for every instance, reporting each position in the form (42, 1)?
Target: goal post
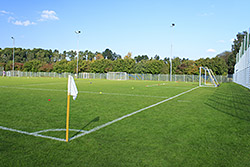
(207, 78)
(117, 76)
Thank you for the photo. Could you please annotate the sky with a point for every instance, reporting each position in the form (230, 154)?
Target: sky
(203, 28)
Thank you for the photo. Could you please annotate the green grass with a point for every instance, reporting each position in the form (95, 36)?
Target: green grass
(205, 127)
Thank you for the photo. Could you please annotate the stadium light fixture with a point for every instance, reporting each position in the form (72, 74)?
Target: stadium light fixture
(77, 32)
(13, 53)
(171, 55)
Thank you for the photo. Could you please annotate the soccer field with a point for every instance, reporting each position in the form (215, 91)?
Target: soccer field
(123, 123)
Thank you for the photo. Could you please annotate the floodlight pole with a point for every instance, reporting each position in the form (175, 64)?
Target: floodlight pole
(171, 55)
(13, 68)
(77, 32)
(200, 77)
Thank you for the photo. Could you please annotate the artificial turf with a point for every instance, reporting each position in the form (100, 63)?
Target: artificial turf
(205, 127)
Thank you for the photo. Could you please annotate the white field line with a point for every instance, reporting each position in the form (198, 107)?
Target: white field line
(156, 85)
(31, 134)
(92, 130)
(59, 90)
(52, 83)
(166, 86)
(128, 115)
(121, 94)
(57, 130)
(178, 87)
(23, 88)
(42, 131)
(184, 101)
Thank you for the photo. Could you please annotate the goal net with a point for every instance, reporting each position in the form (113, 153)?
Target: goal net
(117, 76)
(207, 78)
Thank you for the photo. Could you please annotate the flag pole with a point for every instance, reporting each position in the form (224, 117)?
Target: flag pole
(72, 91)
(67, 118)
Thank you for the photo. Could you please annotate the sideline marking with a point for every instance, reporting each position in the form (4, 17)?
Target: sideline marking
(32, 134)
(57, 130)
(128, 115)
(52, 83)
(156, 85)
(94, 129)
(42, 131)
(59, 90)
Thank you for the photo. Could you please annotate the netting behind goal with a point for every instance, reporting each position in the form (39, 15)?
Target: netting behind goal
(117, 76)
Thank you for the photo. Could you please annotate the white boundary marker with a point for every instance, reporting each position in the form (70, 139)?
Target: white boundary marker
(42, 131)
(94, 129)
(59, 90)
(128, 115)
(156, 85)
(32, 134)
(53, 83)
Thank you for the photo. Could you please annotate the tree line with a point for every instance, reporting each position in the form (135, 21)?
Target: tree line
(42, 60)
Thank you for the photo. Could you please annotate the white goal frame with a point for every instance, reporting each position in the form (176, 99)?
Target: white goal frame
(117, 76)
(207, 78)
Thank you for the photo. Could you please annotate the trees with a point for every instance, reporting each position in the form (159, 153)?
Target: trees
(219, 66)
(38, 59)
(187, 67)
(155, 66)
(46, 68)
(128, 56)
(157, 57)
(140, 58)
(101, 66)
(61, 66)
(87, 55)
(9, 65)
(56, 56)
(230, 59)
(32, 65)
(99, 56)
(141, 67)
(71, 55)
(128, 65)
(108, 54)
(116, 56)
(84, 66)
(6, 55)
(237, 42)
(124, 65)
(175, 63)
(151, 67)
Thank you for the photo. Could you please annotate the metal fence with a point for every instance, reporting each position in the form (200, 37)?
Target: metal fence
(151, 77)
(242, 66)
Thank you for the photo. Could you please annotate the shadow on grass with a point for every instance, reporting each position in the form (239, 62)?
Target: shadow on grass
(231, 99)
(94, 120)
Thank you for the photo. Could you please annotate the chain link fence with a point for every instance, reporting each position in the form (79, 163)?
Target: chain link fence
(150, 77)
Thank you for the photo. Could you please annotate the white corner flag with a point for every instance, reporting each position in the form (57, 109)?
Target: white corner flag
(72, 89)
